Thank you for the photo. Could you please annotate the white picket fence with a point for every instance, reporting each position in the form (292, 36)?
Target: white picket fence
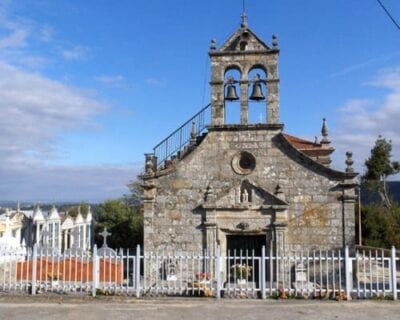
(306, 274)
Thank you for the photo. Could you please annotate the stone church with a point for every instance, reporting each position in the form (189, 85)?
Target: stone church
(248, 184)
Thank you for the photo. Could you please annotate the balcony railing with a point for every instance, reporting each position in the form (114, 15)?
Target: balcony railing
(181, 137)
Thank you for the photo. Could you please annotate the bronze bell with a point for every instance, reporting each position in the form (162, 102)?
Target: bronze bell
(231, 93)
(257, 93)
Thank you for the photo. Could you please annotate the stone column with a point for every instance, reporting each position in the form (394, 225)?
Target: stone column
(282, 267)
(272, 101)
(244, 101)
(65, 236)
(217, 103)
(37, 233)
(217, 93)
(84, 237)
(211, 244)
(89, 238)
(72, 238)
(59, 236)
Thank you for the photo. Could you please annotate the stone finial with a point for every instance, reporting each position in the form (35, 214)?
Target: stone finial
(213, 45)
(193, 134)
(275, 41)
(279, 192)
(210, 195)
(244, 20)
(349, 162)
(149, 163)
(324, 132)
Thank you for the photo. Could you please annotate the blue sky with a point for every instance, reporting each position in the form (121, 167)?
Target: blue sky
(88, 87)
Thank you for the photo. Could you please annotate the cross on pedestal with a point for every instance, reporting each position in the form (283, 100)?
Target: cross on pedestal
(105, 234)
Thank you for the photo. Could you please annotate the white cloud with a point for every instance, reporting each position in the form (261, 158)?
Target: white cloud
(17, 36)
(66, 183)
(46, 33)
(34, 109)
(362, 65)
(154, 81)
(75, 53)
(363, 120)
(112, 81)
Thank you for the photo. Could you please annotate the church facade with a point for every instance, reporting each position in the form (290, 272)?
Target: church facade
(248, 184)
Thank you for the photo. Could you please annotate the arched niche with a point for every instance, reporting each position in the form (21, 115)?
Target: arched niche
(256, 108)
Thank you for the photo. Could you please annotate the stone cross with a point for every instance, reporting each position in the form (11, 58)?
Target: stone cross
(105, 234)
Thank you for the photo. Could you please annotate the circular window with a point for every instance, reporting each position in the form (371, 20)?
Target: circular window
(243, 162)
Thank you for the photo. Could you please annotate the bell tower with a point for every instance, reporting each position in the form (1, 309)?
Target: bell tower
(256, 68)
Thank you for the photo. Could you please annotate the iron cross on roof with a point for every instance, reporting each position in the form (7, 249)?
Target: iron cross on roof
(105, 234)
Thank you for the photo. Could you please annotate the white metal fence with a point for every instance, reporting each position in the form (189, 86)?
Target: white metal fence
(303, 274)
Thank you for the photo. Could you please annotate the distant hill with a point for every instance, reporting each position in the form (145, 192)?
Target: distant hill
(368, 197)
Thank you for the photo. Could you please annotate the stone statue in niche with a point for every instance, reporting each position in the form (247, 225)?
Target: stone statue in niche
(245, 196)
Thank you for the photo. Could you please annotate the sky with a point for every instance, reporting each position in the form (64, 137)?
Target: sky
(88, 87)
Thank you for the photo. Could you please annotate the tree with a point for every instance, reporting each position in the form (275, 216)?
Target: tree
(73, 210)
(379, 168)
(381, 231)
(123, 218)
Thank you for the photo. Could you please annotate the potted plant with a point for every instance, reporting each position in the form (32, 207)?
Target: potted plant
(54, 278)
(203, 277)
(241, 272)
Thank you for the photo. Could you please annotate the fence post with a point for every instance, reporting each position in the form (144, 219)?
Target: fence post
(348, 267)
(393, 272)
(137, 271)
(95, 271)
(263, 271)
(34, 269)
(218, 258)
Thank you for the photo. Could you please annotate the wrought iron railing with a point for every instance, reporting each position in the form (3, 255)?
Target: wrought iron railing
(180, 138)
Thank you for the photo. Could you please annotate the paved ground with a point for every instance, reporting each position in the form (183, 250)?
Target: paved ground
(108, 308)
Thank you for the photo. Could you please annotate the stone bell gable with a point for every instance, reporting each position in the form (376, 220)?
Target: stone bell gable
(235, 184)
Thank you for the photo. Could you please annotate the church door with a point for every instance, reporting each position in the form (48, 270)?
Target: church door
(245, 245)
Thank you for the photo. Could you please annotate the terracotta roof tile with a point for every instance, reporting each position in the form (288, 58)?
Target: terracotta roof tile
(308, 147)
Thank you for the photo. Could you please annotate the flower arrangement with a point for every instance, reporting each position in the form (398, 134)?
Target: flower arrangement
(54, 276)
(203, 276)
(241, 271)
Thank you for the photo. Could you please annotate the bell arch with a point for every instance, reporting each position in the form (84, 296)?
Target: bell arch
(245, 52)
(257, 92)
(232, 94)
